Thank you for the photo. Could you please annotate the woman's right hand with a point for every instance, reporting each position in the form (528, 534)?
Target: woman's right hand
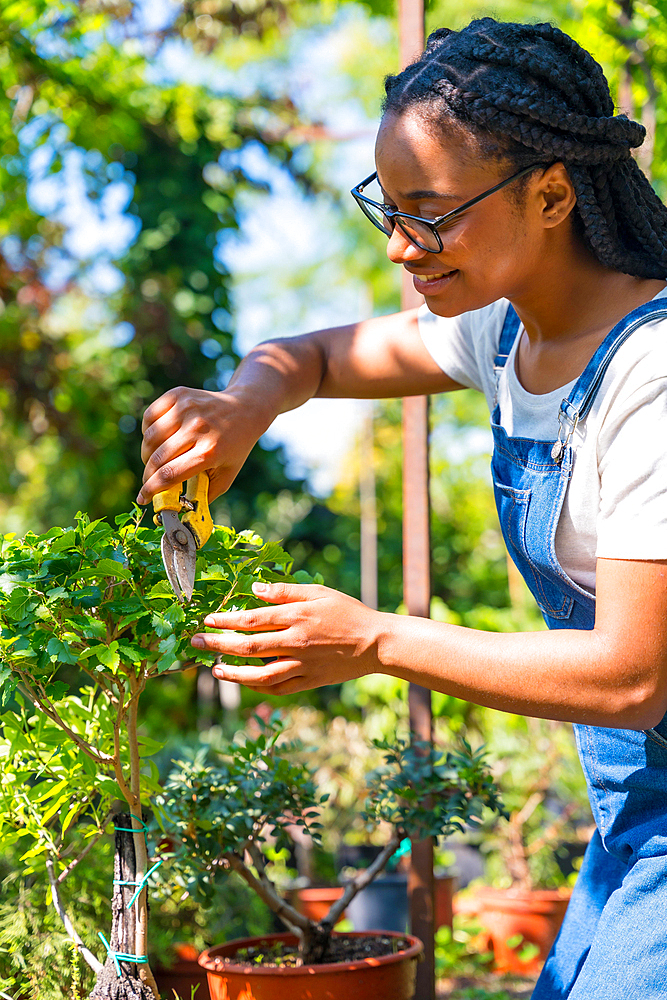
(187, 431)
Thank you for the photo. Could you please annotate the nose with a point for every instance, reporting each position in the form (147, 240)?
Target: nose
(401, 251)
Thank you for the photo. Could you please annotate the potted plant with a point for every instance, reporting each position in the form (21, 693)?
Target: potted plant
(87, 621)
(522, 910)
(232, 808)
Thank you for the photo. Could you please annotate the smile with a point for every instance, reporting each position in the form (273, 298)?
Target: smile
(433, 284)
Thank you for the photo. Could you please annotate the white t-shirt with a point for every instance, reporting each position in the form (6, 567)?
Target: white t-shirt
(616, 503)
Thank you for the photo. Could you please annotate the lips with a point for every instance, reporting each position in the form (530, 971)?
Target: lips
(431, 284)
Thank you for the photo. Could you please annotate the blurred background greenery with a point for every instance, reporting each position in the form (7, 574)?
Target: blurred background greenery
(144, 148)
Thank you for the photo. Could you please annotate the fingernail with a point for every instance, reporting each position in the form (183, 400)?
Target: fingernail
(140, 499)
(219, 673)
(259, 588)
(209, 620)
(197, 641)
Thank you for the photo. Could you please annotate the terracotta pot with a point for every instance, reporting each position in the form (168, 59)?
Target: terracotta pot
(315, 903)
(185, 973)
(391, 977)
(533, 915)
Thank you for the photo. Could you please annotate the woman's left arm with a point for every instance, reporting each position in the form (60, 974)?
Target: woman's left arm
(614, 675)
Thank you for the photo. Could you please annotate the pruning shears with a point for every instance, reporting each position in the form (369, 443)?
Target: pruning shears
(182, 537)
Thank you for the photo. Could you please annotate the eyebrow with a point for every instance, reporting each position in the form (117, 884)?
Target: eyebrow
(441, 196)
(418, 195)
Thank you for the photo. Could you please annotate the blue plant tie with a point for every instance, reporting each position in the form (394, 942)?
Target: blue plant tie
(403, 848)
(125, 829)
(141, 884)
(119, 956)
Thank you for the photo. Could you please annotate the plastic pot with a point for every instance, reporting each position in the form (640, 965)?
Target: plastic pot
(390, 977)
(533, 916)
(383, 903)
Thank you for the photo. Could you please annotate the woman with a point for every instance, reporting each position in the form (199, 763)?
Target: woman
(506, 186)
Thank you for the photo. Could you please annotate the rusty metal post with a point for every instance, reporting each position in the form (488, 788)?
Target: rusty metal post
(416, 567)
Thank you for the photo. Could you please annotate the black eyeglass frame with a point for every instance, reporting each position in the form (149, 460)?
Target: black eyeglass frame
(393, 215)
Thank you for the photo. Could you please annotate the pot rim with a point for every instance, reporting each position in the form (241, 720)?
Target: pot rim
(415, 948)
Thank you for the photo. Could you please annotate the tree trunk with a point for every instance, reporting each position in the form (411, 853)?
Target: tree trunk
(314, 944)
(127, 986)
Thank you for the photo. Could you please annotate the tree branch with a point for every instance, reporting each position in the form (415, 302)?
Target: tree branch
(361, 881)
(91, 843)
(44, 705)
(266, 890)
(92, 961)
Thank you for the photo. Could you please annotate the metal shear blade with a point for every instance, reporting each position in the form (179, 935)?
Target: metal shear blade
(179, 555)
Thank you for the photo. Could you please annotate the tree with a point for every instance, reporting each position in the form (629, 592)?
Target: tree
(88, 622)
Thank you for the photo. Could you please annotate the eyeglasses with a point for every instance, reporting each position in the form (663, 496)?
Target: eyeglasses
(422, 233)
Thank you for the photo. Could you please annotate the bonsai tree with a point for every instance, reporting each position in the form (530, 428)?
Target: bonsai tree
(233, 808)
(87, 621)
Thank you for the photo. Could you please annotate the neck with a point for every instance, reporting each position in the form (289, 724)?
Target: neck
(574, 297)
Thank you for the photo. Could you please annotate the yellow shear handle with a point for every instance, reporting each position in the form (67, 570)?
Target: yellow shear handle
(167, 500)
(198, 519)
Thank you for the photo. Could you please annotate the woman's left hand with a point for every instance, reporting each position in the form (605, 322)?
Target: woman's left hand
(313, 634)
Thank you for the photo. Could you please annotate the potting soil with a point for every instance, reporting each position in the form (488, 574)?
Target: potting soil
(341, 948)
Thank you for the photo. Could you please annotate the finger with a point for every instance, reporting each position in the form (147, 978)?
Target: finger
(161, 430)
(288, 593)
(158, 408)
(253, 619)
(246, 647)
(176, 470)
(269, 676)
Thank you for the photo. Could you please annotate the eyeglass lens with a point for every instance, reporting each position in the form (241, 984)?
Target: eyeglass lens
(416, 233)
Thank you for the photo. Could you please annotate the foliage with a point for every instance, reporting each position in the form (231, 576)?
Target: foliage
(427, 792)
(92, 332)
(88, 620)
(35, 951)
(245, 801)
(252, 792)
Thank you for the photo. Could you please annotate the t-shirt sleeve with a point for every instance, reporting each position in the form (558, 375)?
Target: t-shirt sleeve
(450, 342)
(632, 519)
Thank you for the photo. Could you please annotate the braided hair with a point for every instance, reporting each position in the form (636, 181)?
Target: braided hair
(530, 94)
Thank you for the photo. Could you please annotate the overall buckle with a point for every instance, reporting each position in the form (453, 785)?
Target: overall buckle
(568, 418)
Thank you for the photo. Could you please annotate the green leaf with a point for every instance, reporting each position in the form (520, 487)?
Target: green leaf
(107, 655)
(161, 625)
(66, 541)
(174, 615)
(60, 651)
(7, 685)
(109, 567)
(167, 647)
(70, 816)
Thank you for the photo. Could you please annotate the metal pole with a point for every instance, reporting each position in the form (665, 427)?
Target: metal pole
(368, 505)
(416, 568)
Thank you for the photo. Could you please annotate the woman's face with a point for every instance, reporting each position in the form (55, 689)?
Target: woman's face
(490, 251)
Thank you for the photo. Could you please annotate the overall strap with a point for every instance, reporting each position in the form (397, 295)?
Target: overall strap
(578, 404)
(507, 338)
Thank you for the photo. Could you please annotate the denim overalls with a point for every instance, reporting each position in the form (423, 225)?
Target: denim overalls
(613, 943)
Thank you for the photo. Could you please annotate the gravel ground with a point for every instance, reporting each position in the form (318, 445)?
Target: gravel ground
(485, 987)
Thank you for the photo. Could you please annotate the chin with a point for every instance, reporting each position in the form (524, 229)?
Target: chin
(455, 305)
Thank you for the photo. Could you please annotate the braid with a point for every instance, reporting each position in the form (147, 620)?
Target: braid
(542, 98)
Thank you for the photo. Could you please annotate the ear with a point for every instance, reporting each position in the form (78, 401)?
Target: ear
(555, 195)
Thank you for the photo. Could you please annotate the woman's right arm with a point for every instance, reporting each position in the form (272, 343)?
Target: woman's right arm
(187, 431)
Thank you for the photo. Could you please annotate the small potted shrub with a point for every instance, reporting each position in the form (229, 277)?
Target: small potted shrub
(233, 809)
(87, 621)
